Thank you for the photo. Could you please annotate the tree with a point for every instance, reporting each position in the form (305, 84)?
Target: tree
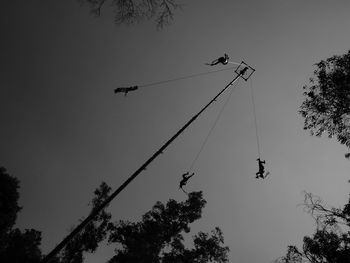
(8, 201)
(15, 246)
(21, 247)
(331, 241)
(158, 237)
(133, 11)
(18, 246)
(90, 237)
(326, 107)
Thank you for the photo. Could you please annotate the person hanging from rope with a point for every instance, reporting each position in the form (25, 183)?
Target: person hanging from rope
(223, 60)
(184, 180)
(125, 89)
(261, 172)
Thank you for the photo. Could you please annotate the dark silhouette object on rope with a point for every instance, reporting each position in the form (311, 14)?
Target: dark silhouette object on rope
(125, 89)
(223, 60)
(261, 172)
(185, 178)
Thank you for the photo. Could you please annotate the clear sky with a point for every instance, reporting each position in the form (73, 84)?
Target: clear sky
(64, 131)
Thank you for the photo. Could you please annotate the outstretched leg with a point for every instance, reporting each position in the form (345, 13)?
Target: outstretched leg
(259, 175)
(213, 63)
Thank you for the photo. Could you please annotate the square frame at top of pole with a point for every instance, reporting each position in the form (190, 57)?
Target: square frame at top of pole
(247, 74)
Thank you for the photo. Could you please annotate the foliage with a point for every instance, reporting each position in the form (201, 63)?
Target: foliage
(8, 201)
(326, 107)
(133, 11)
(15, 245)
(21, 247)
(93, 233)
(159, 236)
(331, 241)
(24, 246)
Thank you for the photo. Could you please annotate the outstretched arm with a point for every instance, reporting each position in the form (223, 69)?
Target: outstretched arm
(190, 176)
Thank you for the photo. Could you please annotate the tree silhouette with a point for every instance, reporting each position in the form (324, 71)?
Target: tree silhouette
(8, 201)
(90, 237)
(15, 245)
(158, 237)
(21, 246)
(331, 241)
(326, 107)
(18, 246)
(133, 11)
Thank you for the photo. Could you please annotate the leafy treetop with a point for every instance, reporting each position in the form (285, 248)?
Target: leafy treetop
(326, 107)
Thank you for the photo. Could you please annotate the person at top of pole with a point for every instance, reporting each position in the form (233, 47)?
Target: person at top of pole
(223, 60)
(243, 71)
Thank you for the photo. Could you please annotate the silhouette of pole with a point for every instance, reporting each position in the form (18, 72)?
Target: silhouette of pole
(75, 231)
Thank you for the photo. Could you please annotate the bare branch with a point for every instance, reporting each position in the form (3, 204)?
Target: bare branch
(97, 11)
(167, 12)
(324, 217)
(129, 12)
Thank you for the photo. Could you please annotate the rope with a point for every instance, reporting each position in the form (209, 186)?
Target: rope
(212, 127)
(185, 77)
(231, 62)
(255, 119)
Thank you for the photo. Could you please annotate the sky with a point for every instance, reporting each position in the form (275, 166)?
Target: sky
(64, 131)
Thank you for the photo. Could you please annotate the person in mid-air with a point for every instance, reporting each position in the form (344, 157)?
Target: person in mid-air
(261, 172)
(184, 180)
(125, 89)
(223, 60)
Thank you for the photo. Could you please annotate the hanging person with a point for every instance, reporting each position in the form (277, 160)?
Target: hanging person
(261, 172)
(223, 60)
(184, 180)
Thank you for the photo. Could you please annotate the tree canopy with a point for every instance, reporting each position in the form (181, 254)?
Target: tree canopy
(8, 201)
(158, 237)
(133, 11)
(94, 232)
(326, 107)
(331, 241)
(16, 246)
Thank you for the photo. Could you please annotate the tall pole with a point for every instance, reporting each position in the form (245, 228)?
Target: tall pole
(75, 231)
